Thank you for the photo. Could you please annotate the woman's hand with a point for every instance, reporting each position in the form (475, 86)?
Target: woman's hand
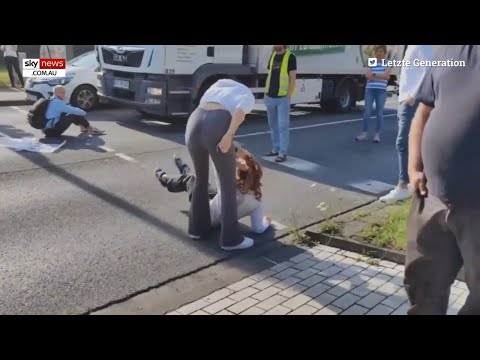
(242, 164)
(226, 143)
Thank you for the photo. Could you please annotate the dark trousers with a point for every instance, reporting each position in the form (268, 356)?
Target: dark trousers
(441, 239)
(405, 115)
(204, 131)
(11, 62)
(185, 183)
(64, 123)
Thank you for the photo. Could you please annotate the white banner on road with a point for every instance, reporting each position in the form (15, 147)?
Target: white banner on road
(31, 144)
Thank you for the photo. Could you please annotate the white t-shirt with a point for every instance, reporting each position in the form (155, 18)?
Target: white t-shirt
(411, 77)
(9, 50)
(230, 94)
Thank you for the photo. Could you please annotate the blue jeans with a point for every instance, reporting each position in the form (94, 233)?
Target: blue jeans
(278, 112)
(405, 116)
(379, 96)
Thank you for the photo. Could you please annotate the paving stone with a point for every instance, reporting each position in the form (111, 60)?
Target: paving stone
(306, 273)
(293, 290)
(301, 257)
(243, 294)
(351, 271)
(265, 294)
(396, 300)
(380, 310)
(266, 283)
(253, 311)
(371, 271)
(242, 284)
(316, 290)
(322, 265)
(278, 310)
(402, 310)
(305, 264)
(327, 248)
(218, 295)
(271, 302)
(297, 301)
(192, 307)
(387, 264)
(398, 279)
(340, 289)
(400, 267)
(312, 280)
(287, 282)
(282, 266)
(362, 263)
(224, 312)
(263, 275)
(286, 273)
(388, 289)
(332, 270)
(304, 310)
(242, 305)
(361, 290)
(346, 301)
(323, 255)
(375, 282)
(329, 310)
(313, 251)
(200, 312)
(351, 255)
(219, 306)
(336, 258)
(359, 279)
(346, 263)
(321, 301)
(335, 280)
(371, 300)
(390, 272)
(355, 310)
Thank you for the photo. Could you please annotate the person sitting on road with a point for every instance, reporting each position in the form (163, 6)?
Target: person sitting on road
(59, 116)
(249, 195)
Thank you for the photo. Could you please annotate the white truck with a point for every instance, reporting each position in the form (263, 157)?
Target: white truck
(169, 80)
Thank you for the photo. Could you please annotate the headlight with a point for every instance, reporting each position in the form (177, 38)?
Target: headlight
(154, 91)
(59, 81)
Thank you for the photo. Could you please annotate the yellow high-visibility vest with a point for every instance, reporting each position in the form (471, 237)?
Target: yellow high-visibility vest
(284, 78)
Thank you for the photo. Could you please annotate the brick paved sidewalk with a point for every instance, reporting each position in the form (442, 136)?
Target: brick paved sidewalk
(320, 281)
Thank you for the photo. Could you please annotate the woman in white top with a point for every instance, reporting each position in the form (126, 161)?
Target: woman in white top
(11, 62)
(249, 194)
(210, 132)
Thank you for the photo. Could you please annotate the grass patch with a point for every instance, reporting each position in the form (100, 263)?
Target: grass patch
(4, 79)
(331, 227)
(390, 233)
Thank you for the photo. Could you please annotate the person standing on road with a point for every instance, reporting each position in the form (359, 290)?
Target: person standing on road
(375, 92)
(59, 116)
(444, 227)
(210, 131)
(11, 62)
(279, 88)
(410, 79)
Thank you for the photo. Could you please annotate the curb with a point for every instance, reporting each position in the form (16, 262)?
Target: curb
(364, 249)
(15, 103)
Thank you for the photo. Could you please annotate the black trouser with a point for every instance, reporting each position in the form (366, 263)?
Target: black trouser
(186, 182)
(64, 123)
(12, 64)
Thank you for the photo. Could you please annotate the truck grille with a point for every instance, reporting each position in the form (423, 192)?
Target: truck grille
(124, 94)
(122, 56)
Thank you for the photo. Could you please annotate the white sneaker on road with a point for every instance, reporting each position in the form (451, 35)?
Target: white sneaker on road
(397, 194)
(245, 244)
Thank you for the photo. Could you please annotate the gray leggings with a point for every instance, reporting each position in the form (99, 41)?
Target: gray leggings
(205, 129)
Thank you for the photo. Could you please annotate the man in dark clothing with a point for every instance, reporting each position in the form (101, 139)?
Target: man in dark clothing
(444, 149)
(279, 88)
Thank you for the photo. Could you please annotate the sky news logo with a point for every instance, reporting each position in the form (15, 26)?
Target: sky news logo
(44, 68)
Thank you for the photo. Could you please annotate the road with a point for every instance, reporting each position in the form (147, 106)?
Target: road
(89, 224)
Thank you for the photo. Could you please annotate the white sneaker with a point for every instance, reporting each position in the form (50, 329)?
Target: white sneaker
(245, 244)
(397, 194)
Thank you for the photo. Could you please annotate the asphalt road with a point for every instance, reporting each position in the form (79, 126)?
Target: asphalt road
(89, 224)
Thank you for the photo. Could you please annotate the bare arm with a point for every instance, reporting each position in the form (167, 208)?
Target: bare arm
(237, 119)
(385, 75)
(292, 75)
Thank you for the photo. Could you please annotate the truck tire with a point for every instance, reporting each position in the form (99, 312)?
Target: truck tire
(345, 96)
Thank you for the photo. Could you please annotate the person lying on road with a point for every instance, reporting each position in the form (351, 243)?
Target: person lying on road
(59, 116)
(249, 195)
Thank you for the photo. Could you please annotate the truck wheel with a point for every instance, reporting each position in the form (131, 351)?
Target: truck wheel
(345, 97)
(85, 97)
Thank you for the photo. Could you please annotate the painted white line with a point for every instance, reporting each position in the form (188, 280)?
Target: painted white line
(271, 261)
(106, 148)
(371, 186)
(126, 157)
(277, 226)
(311, 126)
(18, 109)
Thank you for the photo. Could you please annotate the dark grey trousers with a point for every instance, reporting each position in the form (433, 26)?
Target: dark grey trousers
(204, 131)
(441, 239)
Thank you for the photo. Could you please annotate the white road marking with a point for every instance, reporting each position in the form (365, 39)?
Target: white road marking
(126, 157)
(277, 226)
(311, 126)
(273, 262)
(106, 148)
(19, 109)
(371, 186)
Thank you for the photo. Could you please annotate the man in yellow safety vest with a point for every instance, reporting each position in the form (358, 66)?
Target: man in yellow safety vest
(279, 88)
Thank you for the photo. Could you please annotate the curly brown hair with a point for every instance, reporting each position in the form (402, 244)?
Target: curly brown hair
(250, 180)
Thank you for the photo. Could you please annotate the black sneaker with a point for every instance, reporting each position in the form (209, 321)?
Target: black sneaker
(161, 176)
(181, 166)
